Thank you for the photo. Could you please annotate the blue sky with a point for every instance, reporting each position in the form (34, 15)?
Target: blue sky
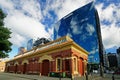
(34, 18)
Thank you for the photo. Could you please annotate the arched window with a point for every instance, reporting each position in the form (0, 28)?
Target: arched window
(59, 64)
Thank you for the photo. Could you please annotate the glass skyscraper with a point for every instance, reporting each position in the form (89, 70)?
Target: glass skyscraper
(81, 26)
(30, 44)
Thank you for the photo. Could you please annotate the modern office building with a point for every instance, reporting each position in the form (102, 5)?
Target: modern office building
(58, 56)
(112, 58)
(82, 26)
(118, 56)
(30, 44)
(21, 50)
(106, 61)
(64, 54)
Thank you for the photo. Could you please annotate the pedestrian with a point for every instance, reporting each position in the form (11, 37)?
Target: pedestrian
(86, 75)
(113, 77)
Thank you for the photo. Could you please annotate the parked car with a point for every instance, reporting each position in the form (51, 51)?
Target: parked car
(117, 72)
(95, 71)
(110, 72)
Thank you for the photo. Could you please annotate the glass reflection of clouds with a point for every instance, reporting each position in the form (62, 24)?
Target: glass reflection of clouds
(80, 25)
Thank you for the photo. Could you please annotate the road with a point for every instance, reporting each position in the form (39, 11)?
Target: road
(12, 76)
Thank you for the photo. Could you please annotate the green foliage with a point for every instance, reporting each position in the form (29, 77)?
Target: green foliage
(5, 44)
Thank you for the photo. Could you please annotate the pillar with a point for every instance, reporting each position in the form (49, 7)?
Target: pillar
(85, 66)
(40, 68)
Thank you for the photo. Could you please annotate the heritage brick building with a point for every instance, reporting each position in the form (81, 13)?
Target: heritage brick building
(2, 66)
(61, 55)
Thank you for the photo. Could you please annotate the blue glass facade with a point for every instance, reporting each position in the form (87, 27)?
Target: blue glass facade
(30, 44)
(81, 26)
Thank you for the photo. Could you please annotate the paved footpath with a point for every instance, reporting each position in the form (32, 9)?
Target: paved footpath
(12, 76)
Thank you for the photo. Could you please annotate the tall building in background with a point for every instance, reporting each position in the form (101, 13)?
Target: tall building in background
(82, 26)
(30, 44)
(118, 56)
(112, 58)
(21, 50)
(106, 61)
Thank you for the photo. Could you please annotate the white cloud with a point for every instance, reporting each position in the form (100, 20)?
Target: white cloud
(111, 30)
(17, 39)
(26, 26)
(90, 29)
(64, 7)
(75, 28)
(117, 13)
(94, 50)
(32, 7)
(23, 18)
(69, 6)
(6, 4)
(111, 36)
(106, 13)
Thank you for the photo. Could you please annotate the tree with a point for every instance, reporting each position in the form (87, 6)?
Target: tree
(41, 41)
(5, 44)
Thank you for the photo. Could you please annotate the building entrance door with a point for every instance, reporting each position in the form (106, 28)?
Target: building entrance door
(16, 68)
(24, 68)
(67, 65)
(45, 67)
(8, 68)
